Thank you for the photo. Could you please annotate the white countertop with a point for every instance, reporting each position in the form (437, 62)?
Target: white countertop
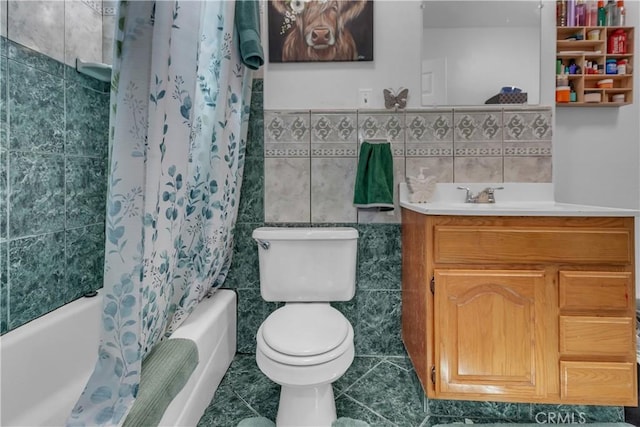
(516, 199)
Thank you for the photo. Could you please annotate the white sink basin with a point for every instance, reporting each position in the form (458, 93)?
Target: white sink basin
(517, 199)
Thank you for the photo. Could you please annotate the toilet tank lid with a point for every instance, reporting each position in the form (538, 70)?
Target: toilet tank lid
(299, 233)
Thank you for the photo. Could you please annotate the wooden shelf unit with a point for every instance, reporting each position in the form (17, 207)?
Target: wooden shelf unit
(581, 51)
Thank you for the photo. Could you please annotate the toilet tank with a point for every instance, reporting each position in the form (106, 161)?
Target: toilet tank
(307, 264)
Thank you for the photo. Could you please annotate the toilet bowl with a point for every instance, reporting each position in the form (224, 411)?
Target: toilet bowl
(306, 345)
(305, 358)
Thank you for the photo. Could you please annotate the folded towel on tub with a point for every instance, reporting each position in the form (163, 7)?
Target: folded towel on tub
(165, 371)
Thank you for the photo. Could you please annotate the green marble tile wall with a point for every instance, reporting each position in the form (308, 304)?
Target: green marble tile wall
(53, 158)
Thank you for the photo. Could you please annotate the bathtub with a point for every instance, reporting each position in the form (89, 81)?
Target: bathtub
(45, 364)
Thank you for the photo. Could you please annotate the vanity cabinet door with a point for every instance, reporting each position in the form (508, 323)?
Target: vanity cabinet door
(491, 334)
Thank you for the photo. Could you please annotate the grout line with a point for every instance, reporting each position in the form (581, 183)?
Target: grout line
(371, 410)
(362, 376)
(246, 403)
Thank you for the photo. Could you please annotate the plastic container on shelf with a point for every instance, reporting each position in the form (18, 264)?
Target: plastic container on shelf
(605, 83)
(593, 35)
(592, 97)
(563, 94)
(618, 98)
(611, 67)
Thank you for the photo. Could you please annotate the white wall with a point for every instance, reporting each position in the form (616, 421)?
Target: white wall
(597, 150)
(396, 44)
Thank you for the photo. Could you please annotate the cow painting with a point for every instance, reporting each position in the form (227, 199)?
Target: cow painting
(320, 30)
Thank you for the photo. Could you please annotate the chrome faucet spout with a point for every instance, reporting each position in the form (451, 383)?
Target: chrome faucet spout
(485, 196)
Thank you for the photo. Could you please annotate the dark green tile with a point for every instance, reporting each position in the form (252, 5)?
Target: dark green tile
(378, 329)
(86, 191)
(36, 110)
(379, 256)
(4, 296)
(463, 408)
(84, 260)
(357, 370)
(36, 274)
(36, 199)
(226, 409)
(87, 122)
(255, 131)
(4, 123)
(3, 193)
(34, 59)
(349, 408)
(258, 391)
(244, 272)
(252, 310)
(387, 390)
(251, 208)
(3, 46)
(257, 85)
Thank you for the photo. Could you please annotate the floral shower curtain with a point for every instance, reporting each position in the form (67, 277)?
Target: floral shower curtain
(180, 105)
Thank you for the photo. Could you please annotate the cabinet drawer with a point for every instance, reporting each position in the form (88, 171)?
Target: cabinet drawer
(505, 244)
(596, 290)
(598, 382)
(596, 336)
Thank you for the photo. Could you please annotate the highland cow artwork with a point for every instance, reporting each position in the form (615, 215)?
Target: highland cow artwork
(320, 30)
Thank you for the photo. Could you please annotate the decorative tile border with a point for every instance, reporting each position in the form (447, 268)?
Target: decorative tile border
(287, 134)
(96, 5)
(491, 144)
(334, 134)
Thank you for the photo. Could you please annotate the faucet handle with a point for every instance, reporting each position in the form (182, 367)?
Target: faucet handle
(469, 195)
(492, 189)
(490, 193)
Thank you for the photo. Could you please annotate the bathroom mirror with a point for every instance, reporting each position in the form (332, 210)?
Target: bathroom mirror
(471, 49)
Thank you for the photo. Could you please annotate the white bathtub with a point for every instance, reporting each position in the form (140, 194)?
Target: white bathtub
(45, 364)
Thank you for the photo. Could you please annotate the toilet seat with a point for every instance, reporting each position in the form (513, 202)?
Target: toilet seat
(304, 334)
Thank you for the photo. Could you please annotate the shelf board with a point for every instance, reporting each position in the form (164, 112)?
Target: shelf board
(591, 104)
(579, 45)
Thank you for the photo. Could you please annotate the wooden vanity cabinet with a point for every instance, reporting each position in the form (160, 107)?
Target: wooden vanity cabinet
(520, 309)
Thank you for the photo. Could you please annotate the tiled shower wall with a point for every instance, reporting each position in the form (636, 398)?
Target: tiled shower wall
(311, 156)
(62, 30)
(53, 159)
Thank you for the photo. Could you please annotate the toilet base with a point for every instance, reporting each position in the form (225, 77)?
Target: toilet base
(306, 406)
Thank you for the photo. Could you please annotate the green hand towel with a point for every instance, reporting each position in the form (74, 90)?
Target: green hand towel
(374, 178)
(247, 21)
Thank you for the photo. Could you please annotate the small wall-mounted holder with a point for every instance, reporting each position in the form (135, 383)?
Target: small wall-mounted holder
(395, 101)
(97, 70)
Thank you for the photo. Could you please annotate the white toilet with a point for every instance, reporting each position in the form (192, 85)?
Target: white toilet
(306, 345)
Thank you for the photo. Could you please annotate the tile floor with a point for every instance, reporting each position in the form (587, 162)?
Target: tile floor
(382, 391)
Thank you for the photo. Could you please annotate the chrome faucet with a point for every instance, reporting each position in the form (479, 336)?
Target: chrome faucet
(485, 196)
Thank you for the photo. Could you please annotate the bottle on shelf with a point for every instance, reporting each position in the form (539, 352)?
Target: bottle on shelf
(602, 14)
(611, 13)
(580, 13)
(561, 13)
(591, 14)
(621, 13)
